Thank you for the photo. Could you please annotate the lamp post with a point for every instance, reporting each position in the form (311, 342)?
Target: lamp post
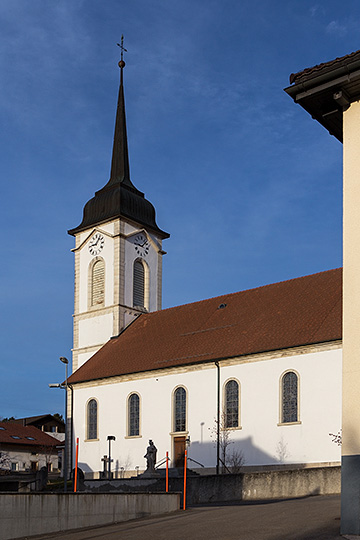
(65, 387)
(110, 438)
(66, 362)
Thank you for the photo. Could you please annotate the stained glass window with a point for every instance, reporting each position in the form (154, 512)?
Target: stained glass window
(180, 409)
(92, 419)
(134, 415)
(289, 397)
(231, 404)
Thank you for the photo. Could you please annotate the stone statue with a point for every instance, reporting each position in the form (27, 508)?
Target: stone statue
(150, 457)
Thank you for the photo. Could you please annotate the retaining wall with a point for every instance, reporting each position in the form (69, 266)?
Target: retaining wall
(24, 514)
(274, 484)
(264, 485)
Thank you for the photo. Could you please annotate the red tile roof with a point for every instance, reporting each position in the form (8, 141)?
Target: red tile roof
(28, 435)
(309, 73)
(301, 311)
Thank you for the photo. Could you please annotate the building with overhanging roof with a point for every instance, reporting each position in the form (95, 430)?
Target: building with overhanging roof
(260, 369)
(26, 448)
(330, 93)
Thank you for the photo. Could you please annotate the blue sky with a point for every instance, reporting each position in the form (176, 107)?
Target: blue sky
(248, 185)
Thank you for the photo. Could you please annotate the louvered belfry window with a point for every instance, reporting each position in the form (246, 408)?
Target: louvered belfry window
(98, 283)
(180, 409)
(139, 284)
(289, 397)
(92, 419)
(134, 415)
(232, 404)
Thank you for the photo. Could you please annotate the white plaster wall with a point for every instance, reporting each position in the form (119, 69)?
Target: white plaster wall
(84, 357)
(351, 281)
(260, 438)
(96, 330)
(24, 458)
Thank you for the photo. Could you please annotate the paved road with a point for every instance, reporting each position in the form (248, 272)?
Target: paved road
(296, 519)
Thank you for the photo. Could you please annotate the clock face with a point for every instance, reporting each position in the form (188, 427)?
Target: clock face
(142, 245)
(96, 244)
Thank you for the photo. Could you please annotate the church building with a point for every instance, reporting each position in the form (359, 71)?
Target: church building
(251, 378)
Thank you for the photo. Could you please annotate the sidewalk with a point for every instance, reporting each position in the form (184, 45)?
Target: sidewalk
(309, 518)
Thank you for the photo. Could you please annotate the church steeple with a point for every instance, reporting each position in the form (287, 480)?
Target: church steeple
(120, 170)
(119, 197)
(118, 252)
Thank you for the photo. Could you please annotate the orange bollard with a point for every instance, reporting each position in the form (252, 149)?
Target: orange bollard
(167, 472)
(76, 463)
(184, 500)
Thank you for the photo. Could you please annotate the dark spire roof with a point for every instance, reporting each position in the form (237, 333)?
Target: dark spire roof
(119, 197)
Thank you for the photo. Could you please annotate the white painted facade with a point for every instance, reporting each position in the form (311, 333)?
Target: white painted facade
(260, 437)
(29, 459)
(95, 324)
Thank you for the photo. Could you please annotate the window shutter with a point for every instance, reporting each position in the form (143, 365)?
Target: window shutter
(139, 284)
(98, 283)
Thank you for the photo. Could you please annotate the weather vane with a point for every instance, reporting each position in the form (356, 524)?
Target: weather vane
(122, 48)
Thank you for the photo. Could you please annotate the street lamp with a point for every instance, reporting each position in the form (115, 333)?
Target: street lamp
(65, 387)
(110, 438)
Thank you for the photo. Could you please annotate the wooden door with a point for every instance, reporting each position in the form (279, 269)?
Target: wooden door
(179, 451)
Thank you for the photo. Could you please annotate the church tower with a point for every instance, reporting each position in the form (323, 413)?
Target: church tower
(118, 253)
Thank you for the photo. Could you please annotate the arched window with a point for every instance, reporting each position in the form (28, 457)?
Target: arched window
(92, 419)
(232, 404)
(289, 398)
(97, 283)
(180, 409)
(133, 415)
(139, 284)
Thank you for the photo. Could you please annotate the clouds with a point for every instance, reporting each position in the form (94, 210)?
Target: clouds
(338, 29)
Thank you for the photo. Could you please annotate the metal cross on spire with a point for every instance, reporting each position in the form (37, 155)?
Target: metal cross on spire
(121, 45)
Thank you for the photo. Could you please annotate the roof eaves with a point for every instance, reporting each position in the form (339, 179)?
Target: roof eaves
(333, 68)
(213, 360)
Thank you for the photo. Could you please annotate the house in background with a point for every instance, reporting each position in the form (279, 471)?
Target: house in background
(45, 422)
(26, 448)
(330, 93)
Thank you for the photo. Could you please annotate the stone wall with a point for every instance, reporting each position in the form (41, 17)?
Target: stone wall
(275, 484)
(32, 514)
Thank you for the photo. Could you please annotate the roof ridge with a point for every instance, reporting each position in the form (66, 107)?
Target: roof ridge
(270, 317)
(326, 317)
(242, 291)
(318, 67)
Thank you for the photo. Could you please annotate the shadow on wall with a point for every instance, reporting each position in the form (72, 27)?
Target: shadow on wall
(238, 454)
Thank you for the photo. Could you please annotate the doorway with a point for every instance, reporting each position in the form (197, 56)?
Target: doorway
(179, 451)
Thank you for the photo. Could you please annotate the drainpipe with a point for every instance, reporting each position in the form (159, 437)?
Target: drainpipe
(71, 427)
(218, 419)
